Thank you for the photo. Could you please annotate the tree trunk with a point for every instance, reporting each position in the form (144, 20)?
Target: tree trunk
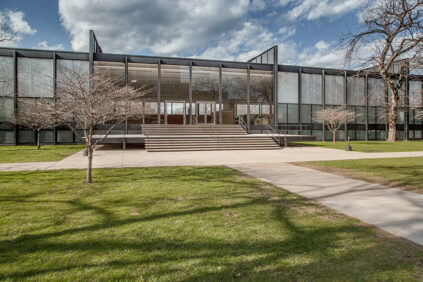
(334, 137)
(392, 118)
(38, 138)
(90, 165)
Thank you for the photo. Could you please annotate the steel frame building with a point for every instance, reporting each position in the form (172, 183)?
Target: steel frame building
(260, 91)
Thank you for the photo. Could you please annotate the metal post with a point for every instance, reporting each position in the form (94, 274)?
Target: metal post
(158, 89)
(345, 104)
(54, 92)
(323, 102)
(126, 83)
(91, 52)
(275, 86)
(386, 113)
(406, 108)
(15, 95)
(248, 98)
(299, 98)
(190, 93)
(220, 95)
(366, 97)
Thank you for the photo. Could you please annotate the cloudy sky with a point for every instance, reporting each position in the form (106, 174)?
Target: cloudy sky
(307, 31)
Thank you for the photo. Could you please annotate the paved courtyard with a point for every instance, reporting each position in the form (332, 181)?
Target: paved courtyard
(393, 210)
(114, 157)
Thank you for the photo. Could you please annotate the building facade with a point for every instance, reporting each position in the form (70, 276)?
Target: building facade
(186, 91)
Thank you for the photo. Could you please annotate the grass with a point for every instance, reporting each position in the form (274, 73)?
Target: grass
(405, 173)
(367, 146)
(47, 153)
(191, 224)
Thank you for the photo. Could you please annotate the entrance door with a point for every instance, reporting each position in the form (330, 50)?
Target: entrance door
(175, 112)
(205, 112)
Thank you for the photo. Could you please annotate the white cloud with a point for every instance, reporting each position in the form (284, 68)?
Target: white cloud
(44, 46)
(315, 9)
(161, 27)
(20, 27)
(257, 5)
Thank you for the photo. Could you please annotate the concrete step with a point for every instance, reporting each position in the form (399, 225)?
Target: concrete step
(210, 149)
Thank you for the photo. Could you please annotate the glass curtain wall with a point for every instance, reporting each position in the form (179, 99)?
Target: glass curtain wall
(174, 91)
(261, 97)
(7, 105)
(143, 77)
(234, 95)
(205, 94)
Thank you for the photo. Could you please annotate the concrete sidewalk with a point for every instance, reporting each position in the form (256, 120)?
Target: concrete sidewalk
(116, 158)
(393, 210)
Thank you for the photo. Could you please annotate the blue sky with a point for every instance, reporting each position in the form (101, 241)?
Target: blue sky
(306, 31)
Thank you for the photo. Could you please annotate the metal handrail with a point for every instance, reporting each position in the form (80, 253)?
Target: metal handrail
(216, 136)
(275, 135)
(242, 123)
(194, 120)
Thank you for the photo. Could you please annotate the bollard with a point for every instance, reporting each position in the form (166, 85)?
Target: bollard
(85, 152)
(348, 147)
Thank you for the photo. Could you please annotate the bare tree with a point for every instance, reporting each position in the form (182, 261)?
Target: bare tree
(34, 114)
(6, 29)
(392, 33)
(86, 101)
(334, 118)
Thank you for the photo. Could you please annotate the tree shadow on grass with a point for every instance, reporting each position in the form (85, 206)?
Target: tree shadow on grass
(308, 251)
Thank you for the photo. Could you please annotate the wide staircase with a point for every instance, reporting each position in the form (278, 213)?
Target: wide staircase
(169, 138)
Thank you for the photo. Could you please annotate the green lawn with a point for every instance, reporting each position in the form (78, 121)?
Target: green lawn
(47, 153)
(191, 224)
(367, 146)
(406, 173)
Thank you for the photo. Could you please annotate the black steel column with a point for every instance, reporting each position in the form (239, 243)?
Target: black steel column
(54, 92)
(190, 93)
(158, 89)
(126, 83)
(345, 105)
(300, 119)
(15, 95)
(248, 97)
(323, 102)
(406, 108)
(386, 112)
(220, 95)
(275, 86)
(366, 97)
(91, 52)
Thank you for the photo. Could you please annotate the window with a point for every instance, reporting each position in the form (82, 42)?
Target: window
(334, 90)
(6, 77)
(311, 88)
(35, 77)
(287, 87)
(377, 92)
(355, 91)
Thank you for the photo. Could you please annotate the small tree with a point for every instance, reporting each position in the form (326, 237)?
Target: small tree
(7, 32)
(334, 118)
(392, 33)
(86, 101)
(34, 114)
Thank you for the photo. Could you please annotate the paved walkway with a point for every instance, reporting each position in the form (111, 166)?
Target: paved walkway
(393, 210)
(116, 158)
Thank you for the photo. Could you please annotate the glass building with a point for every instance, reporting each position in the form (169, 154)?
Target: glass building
(185, 91)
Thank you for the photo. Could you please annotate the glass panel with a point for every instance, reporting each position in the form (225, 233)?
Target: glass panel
(355, 91)
(376, 91)
(234, 91)
(360, 134)
(26, 136)
(311, 88)
(292, 113)
(334, 90)
(64, 136)
(415, 93)
(306, 113)
(282, 113)
(6, 76)
(114, 69)
(261, 94)
(47, 136)
(372, 115)
(381, 135)
(7, 106)
(7, 137)
(35, 77)
(174, 83)
(205, 84)
(400, 119)
(288, 87)
(315, 108)
(361, 115)
(143, 76)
